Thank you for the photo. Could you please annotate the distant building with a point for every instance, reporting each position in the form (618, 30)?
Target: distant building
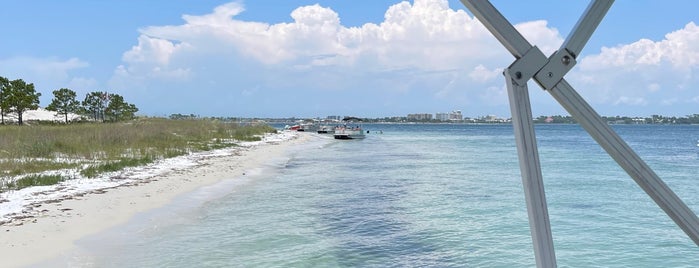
(452, 116)
(639, 120)
(334, 117)
(456, 116)
(420, 117)
(494, 119)
(442, 116)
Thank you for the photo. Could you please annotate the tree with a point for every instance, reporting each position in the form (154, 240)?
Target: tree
(22, 97)
(95, 103)
(4, 93)
(64, 102)
(118, 109)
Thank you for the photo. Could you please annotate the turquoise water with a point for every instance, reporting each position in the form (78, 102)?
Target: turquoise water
(423, 196)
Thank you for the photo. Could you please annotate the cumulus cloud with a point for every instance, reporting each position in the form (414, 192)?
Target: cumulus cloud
(637, 74)
(425, 48)
(482, 74)
(423, 55)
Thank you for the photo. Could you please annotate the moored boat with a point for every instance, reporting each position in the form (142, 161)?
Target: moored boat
(348, 131)
(327, 126)
(326, 129)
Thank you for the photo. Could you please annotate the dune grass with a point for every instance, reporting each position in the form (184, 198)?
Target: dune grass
(112, 146)
(94, 170)
(33, 180)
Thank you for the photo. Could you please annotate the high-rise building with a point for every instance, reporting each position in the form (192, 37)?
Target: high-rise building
(442, 116)
(456, 115)
(420, 117)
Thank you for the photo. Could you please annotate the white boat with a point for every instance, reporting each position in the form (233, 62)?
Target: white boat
(325, 129)
(349, 130)
(308, 127)
(327, 126)
(349, 133)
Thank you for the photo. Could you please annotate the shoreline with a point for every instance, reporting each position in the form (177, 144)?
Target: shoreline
(49, 228)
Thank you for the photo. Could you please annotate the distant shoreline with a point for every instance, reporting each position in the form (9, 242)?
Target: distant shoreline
(495, 123)
(613, 120)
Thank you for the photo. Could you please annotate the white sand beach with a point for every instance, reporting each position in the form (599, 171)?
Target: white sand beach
(47, 227)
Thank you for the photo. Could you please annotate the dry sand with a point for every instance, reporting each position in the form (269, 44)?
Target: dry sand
(54, 232)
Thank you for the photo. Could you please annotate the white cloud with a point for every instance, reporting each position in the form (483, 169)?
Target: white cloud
(421, 54)
(539, 34)
(653, 87)
(47, 74)
(631, 100)
(679, 50)
(220, 17)
(482, 74)
(645, 72)
(32, 68)
(420, 47)
(153, 50)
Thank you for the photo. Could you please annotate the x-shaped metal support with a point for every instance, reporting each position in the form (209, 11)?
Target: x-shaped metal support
(548, 72)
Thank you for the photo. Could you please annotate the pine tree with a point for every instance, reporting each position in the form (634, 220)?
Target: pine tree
(64, 102)
(95, 103)
(4, 93)
(118, 109)
(22, 97)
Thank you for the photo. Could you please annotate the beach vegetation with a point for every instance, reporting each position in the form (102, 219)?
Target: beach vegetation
(118, 109)
(95, 148)
(4, 93)
(33, 180)
(111, 166)
(20, 96)
(64, 102)
(95, 103)
(16, 167)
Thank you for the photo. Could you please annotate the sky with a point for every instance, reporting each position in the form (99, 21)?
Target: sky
(379, 58)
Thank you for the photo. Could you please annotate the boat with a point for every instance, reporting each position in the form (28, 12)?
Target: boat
(308, 125)
(327, 126)
(349, 130)
(326, 129)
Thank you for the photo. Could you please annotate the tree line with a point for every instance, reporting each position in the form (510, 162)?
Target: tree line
(18, 96)
(654, 119)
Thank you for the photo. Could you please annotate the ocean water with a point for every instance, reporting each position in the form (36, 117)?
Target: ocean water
(423, 195)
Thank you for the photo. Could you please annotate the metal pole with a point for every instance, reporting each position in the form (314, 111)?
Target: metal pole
(615, 146)
(498, 25)
(587, 24)
(514, 42)
(530, 168)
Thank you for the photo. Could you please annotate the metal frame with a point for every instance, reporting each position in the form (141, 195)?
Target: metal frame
(549, 74)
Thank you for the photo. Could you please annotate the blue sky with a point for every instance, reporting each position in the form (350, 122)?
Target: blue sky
(269, 58)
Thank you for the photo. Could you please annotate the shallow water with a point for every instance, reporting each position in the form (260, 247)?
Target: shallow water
(421, 196)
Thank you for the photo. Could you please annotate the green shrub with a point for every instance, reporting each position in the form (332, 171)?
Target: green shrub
(111, 166)
(34, 180)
